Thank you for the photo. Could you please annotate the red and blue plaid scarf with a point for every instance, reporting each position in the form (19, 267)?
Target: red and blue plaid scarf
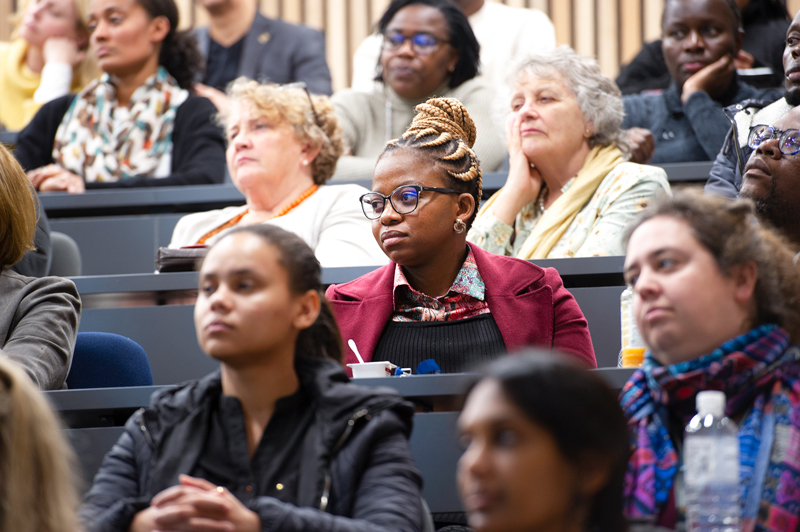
(758, 371)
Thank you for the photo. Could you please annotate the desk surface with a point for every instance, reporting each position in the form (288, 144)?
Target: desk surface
(97, 400)
(583, 271)
(157, 200)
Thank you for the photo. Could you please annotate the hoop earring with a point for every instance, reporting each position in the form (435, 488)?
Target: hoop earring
(459, 227)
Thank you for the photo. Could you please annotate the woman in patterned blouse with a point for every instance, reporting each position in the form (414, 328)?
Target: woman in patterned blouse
(441, 298)
(570, 191)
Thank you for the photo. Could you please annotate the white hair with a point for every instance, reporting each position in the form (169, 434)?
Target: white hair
(599, 98)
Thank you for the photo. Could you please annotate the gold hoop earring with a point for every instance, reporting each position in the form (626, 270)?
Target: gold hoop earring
(459, 227)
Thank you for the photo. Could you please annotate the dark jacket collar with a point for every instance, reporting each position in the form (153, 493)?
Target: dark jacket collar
(177, 421)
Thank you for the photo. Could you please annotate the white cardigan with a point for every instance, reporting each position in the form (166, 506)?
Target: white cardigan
(330, 221)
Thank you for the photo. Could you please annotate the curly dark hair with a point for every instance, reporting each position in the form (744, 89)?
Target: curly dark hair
(730, 232)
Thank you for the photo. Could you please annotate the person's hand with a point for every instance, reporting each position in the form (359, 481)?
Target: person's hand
(196, 505)
(217, 97)
(712, 79)
(523, 177)
(744, 60)
(642, 144)
(524, 181)
(54, 178)
(62, 50)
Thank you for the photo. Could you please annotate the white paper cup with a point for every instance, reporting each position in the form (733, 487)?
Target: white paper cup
(371, 370)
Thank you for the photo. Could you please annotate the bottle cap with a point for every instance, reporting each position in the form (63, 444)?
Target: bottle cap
(711, 402)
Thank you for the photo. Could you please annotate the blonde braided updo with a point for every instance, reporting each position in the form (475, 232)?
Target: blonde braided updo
(444, 131)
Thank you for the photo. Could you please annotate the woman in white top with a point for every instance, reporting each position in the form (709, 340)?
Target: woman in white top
(283, 145)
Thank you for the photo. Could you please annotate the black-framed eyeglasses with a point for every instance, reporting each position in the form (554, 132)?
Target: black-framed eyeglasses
(421, 43)
(302, 85)
(788, 139)
(404, 200)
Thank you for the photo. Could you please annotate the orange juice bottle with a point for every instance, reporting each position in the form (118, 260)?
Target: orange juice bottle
(632, 353)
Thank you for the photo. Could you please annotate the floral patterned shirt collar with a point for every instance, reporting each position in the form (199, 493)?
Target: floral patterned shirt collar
(468, 281)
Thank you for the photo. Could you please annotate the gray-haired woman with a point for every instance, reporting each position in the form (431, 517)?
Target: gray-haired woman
(570, 190)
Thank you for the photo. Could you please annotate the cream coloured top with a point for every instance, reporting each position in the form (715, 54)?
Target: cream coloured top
(330, 221)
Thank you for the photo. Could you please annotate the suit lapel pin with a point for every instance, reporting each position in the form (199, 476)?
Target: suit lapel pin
(263, 38)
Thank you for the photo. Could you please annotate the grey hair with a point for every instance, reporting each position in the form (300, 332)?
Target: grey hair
(598, 97)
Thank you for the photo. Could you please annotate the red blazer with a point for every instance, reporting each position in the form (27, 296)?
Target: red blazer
(530, 306)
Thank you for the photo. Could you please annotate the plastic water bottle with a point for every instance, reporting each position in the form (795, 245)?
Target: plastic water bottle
(711, 468)
(632, 352)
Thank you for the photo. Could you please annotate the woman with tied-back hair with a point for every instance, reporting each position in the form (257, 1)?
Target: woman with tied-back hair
(545, 448)
(137, 125)
(277, 439)
(440, 297)
(569, 191)
(38, 470)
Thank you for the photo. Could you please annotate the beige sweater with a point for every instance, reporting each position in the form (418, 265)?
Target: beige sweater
(363, 119)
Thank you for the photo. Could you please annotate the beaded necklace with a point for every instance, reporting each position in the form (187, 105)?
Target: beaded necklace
(236, 219)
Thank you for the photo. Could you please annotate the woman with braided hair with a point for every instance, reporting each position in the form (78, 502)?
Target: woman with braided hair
(441, 298)
(570, 190)
(428, 50)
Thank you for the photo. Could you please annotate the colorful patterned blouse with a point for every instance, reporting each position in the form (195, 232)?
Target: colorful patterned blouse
(465, 299)
(595, 231)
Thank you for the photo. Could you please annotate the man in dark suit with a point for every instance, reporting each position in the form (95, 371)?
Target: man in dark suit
(239, 41)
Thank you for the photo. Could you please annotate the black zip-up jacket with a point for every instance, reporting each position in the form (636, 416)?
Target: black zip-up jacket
(725, 177)
(356, 472)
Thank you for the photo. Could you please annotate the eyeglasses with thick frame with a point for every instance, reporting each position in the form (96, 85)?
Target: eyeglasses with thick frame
(404, 200)
(302, 85)
(788, 139)
(422, 43)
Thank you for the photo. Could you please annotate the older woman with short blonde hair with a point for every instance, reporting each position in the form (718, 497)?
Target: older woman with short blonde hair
(283, 145)
(570, 189)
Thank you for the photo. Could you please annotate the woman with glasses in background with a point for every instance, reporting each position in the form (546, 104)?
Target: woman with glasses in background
(428, 50)
(441, 298)
(283, 145)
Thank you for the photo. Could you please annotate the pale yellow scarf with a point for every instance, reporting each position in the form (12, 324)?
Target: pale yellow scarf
(552, 225)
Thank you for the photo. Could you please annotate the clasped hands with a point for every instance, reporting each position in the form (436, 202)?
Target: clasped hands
(53, 178)
(196, 505)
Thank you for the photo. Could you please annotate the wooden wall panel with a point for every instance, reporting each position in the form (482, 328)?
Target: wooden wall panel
(561, 14)
(584, 27)
(339, 53)
(608, 35)
(315, 14)
(793, 6)
(611, 30)
(7, 8)
(652, 19)
(630, 34)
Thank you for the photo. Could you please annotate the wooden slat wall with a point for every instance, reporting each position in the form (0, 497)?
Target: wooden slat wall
(611, 30)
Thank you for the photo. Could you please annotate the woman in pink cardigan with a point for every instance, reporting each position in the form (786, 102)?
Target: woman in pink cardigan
(441, 298)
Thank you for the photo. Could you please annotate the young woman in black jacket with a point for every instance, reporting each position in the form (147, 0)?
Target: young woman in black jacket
(136, 125)
(278, 439)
